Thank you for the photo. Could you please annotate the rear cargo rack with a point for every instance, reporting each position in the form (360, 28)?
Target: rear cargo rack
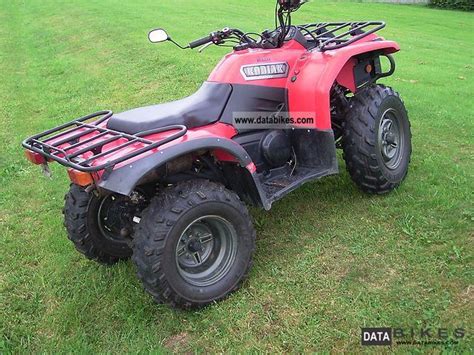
(335, 35)
(63, 144)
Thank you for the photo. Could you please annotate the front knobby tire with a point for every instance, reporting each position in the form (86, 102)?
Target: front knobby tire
(194, 244)
(377, 139)
(85, 230)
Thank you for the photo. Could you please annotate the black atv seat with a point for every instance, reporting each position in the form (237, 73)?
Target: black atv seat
(203, 107)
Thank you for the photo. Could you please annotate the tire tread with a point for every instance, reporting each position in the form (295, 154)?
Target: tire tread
(359, 140)
(75, 220)
(163, 212)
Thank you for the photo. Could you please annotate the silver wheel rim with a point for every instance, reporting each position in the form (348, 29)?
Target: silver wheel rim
(206, 250)
(391, 140)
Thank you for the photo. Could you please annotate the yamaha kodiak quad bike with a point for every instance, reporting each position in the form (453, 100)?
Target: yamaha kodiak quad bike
(168, 184)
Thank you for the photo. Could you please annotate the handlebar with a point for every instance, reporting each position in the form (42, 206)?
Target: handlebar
(218, 37)
(245, 41)
(200, 42)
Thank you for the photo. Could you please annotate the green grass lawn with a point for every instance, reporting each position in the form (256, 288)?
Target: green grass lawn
(329, 258)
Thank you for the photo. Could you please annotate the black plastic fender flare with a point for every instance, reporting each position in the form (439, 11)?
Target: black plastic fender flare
(124, 179)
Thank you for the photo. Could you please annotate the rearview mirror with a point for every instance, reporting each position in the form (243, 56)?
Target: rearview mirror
(158, 35)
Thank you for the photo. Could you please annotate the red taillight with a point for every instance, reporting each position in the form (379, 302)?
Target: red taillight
(34, 157)
(80, 178)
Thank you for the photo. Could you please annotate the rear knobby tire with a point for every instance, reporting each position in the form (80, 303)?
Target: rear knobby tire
(377, 139)
(81, 222)
(193, 245)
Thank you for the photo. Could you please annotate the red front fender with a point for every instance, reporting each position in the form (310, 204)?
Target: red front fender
(316, 72)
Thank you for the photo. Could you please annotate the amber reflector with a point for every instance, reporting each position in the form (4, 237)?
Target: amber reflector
(79, 177)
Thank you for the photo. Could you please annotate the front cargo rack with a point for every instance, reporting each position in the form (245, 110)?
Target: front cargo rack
(335, 35)
(66, 144)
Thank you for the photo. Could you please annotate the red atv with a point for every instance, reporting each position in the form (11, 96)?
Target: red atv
(166, 184)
